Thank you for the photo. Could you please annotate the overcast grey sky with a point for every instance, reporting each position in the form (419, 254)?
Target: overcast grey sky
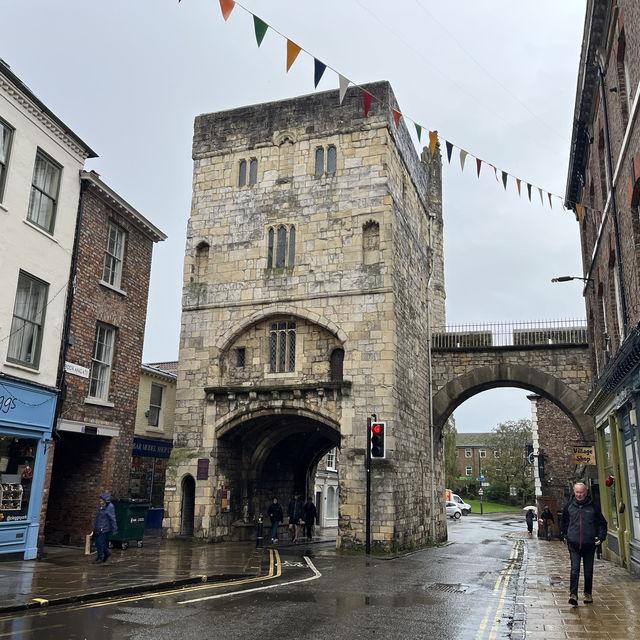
(495, 77)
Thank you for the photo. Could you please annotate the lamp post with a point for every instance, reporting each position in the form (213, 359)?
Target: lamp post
(568, 278)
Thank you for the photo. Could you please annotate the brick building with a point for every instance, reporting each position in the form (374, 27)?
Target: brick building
(554, 436)
(603, 188)
(103, 351)
(472, 450)
(40, 158)
(313, 265)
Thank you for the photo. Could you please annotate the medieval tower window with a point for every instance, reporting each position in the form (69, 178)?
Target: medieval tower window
(202, 261)
(371, 243)
(331, 158)
(253, 173)
(281, 249)
(282, 347)
(242, 173)
(241, 357)
(336, 364)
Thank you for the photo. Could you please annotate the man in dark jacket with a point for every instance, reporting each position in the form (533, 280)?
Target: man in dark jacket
(105, 523)
(275, 513)
(583, 528)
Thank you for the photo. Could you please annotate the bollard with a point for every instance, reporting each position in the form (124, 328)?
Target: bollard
(259, 535)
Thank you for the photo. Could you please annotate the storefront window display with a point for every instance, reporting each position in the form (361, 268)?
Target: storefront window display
(17, 459)
(147, 479)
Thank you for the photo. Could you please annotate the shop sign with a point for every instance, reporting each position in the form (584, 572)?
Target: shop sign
(76, 370)
(151, 448)
(24, 404)
(584, 454)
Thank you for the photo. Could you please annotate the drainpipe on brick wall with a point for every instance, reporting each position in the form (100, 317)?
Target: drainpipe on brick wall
(614, 210)
(62, 385)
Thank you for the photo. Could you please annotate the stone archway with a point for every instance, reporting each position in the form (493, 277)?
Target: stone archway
(462, 387)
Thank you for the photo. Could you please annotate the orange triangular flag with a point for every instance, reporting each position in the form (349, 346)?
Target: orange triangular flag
(433, 141)
(518, 183)
(292, 53)
(396, 116)
(227, 8)
(578, 212)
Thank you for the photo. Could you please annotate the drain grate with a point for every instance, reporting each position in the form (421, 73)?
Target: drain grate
(448, 588)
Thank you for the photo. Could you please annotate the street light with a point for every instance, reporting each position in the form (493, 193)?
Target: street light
(567, 278)
(586, 281)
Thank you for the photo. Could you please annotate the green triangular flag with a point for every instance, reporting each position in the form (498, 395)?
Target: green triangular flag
(261, 28)
(504, 179)
(418, 131)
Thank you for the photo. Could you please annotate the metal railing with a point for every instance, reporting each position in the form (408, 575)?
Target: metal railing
(511, 334)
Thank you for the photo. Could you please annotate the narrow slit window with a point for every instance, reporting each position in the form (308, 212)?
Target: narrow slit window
(253, 172)
(319, 161)
(332, 159)
(242, 173)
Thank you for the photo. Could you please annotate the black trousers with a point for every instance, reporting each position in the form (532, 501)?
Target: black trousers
(586, 555)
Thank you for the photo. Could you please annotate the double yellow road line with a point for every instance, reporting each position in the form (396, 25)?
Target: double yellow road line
(500, 588)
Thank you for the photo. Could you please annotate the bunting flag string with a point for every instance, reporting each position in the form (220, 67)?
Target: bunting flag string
(293, 50)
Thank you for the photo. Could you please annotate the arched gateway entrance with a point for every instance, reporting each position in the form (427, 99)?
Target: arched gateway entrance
(270, 453)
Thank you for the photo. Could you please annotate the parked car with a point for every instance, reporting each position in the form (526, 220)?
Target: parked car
(453, 510)
(464, 506)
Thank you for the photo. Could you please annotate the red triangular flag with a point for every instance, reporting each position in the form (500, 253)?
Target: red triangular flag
(396, 116)
(478, 165)
(366, 100)
(227, 8)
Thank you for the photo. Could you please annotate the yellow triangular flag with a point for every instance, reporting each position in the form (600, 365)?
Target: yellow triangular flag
(433, 141)
(292, 53)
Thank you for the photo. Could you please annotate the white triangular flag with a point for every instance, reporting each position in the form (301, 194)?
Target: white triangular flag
(344, 84)
(463, 157)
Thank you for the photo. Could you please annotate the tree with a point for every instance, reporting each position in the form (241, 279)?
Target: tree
(450, 452)
(511, 468)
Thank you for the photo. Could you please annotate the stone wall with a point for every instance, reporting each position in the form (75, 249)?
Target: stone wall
(367, 238)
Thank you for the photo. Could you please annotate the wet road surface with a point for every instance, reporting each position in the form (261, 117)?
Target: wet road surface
(465, 589)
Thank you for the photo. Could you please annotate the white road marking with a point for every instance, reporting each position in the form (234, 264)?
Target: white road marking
(315, 576)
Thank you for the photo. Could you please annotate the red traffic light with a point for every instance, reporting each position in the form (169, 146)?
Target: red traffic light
(376, 428)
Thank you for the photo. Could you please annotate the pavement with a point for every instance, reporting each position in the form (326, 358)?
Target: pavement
(614, 614)
(66, 575)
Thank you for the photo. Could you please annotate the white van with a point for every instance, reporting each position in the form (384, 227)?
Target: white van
(464, 507)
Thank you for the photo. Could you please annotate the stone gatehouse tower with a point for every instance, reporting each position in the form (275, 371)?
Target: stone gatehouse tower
(313, 253)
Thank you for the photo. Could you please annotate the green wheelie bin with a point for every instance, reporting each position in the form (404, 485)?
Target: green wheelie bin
(131, 516)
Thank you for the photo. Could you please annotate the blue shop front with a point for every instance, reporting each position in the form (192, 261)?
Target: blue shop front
(26, 419)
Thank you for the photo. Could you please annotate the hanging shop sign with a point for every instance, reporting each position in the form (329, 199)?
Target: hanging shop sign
(584, 454)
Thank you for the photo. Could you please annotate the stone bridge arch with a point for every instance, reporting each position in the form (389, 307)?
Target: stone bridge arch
(558, 369)
(465, 386)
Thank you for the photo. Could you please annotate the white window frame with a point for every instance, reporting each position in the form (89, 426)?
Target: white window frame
(44, 192)
(483, 453)
(102, 362)
(331, 460)
(467, 453)
(27, 324)
(468, 470)
(114, 255)
(155, 417)
(496, 453)
(6, 138)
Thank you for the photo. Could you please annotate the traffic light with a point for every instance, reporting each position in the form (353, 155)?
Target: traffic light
(378, 439)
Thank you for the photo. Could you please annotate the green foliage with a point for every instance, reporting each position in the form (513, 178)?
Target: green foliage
(489, 506)
(511, 469)
(450, 453)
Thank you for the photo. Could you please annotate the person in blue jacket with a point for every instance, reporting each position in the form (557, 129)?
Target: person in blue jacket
(105, 523)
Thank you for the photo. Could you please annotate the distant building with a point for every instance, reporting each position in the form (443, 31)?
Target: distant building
(603, 188)
(326, 489)
(153, 435)
(102, 355)
(472, 452)
(40, 158)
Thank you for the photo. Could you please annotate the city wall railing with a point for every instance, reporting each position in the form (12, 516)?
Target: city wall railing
(511, 334)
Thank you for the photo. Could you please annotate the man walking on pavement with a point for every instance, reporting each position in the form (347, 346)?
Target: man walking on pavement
(582, 528)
